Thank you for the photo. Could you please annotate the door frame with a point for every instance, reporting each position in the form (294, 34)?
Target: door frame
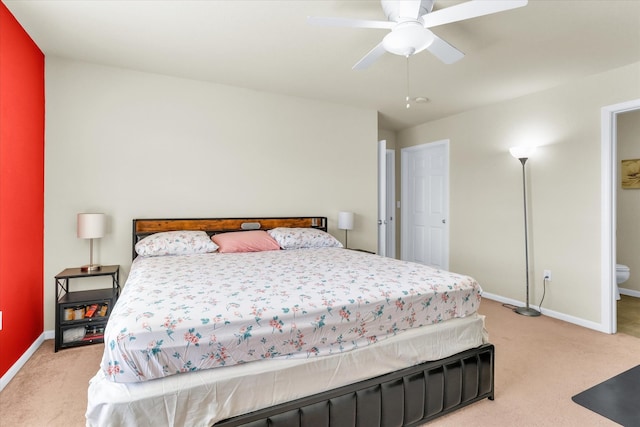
(609, 164)
(390, 242)
(404, 229)
(382, 197)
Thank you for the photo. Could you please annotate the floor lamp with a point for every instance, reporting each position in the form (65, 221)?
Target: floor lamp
(522, 154)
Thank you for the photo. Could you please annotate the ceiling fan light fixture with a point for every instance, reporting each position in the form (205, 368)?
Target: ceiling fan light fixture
(408, 38)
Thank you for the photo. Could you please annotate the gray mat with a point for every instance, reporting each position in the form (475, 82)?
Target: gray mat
(617, 398)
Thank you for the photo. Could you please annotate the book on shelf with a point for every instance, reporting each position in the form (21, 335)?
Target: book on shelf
(91, 310)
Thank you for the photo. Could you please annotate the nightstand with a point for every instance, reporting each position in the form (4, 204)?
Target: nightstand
(81, 316)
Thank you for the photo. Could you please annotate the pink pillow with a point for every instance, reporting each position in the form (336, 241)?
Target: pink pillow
(245, 241)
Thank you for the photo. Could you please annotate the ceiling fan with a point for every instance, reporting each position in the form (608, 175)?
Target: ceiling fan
(409, 22)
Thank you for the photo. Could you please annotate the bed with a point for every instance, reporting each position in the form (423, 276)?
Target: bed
(300, 333)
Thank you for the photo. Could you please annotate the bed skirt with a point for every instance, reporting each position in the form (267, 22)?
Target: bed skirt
(408, 397)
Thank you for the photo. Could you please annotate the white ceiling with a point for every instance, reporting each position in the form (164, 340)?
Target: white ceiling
(268, 46)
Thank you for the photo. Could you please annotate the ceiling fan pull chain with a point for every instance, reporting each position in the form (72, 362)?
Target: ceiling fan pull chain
(408, 98)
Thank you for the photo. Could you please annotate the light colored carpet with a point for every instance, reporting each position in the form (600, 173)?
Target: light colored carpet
(51, 389)
(540, 363)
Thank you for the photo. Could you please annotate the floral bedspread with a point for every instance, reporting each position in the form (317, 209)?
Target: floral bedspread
(186, 313)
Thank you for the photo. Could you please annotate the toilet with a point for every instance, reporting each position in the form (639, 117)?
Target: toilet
(622, 275)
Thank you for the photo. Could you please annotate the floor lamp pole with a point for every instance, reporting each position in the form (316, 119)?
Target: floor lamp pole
(526, 310)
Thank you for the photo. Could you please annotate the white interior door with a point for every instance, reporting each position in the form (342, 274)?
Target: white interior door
(382, 198)
(425, 204)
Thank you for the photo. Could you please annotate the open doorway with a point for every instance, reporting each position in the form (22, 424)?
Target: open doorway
(386, 200)
(609, 164)
(390, 159)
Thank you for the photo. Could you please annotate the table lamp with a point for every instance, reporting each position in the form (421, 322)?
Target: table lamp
(91, 226)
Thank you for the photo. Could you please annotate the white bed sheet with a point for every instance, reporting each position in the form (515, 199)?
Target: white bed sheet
(202, 398)
(180, 314)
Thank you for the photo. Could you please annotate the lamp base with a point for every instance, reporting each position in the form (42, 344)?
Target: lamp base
(526, 311)
(90, 268)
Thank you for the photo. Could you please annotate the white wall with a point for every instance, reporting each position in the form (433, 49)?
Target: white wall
(628, 209)
(487, 233)
(139, 145)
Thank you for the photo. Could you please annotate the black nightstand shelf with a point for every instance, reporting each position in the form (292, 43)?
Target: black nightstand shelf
(81, 316)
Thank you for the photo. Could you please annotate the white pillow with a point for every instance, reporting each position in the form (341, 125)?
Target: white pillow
(184, 242)
(303, 238)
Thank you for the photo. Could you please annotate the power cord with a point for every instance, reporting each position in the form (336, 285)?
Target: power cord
(544, 291)
(509, 306)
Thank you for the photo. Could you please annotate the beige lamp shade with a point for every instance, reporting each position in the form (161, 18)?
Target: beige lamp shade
(91, 225)
(345, 220)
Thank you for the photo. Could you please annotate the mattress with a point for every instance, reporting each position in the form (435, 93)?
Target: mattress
(202, 398)
(188, 313)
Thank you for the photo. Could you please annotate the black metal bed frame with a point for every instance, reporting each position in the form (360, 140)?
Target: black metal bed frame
(408, 397)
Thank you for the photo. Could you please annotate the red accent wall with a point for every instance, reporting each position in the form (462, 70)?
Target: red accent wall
(21, 190)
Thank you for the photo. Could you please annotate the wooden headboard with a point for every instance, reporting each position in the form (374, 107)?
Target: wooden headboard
(145, 227)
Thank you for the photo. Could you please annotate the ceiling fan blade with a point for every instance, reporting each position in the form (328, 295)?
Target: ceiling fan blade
(370, 57)
(444, 51)
(348, 22)
(468, 10)
(407, 8)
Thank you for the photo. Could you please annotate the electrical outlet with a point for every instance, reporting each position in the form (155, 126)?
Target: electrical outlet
(547, 275)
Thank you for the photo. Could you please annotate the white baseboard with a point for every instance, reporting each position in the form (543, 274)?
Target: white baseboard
(630, 292)
(8, 376)
(556, 315)
(20, 362)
